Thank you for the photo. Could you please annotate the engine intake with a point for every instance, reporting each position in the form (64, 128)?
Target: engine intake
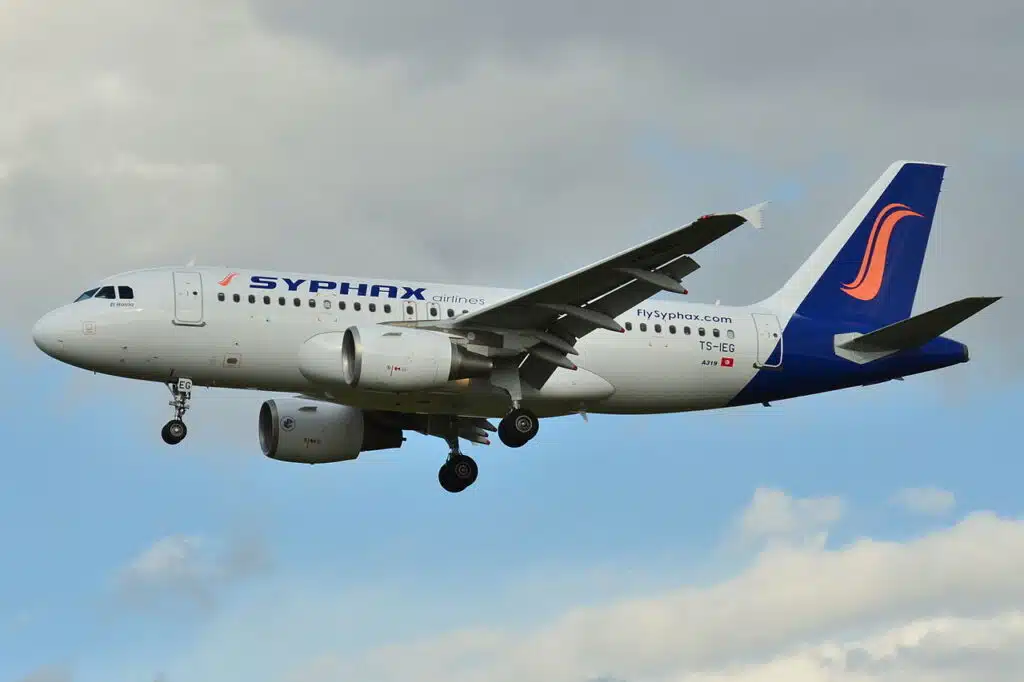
(310, 432)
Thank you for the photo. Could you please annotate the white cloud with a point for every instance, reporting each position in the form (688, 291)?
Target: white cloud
(926, 501)
(188, 567)
(775, 516)
(947, 595)
(937, 608)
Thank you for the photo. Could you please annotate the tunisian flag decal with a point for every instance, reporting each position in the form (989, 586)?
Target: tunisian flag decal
(728, 362)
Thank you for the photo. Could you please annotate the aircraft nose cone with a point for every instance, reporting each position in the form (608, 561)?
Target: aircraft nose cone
(47, 337)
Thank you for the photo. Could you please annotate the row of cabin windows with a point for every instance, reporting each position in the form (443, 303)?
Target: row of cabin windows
(108, 292)
(686, 330)
(357, 306)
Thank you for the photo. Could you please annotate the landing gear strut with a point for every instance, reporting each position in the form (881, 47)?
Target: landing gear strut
(518, 427)
(460, 471)
(175, 430)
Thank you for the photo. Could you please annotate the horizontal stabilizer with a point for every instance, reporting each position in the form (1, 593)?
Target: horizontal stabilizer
(917, 330)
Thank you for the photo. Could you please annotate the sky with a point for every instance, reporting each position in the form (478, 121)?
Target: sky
(871, 535)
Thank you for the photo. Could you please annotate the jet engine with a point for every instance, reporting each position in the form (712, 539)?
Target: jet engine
(385, 358)
(310, 432)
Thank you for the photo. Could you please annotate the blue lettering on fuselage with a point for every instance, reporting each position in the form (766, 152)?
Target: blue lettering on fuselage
(343, 288)
(668, 317)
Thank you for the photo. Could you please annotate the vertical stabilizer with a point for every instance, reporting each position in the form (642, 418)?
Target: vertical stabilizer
(868, 268)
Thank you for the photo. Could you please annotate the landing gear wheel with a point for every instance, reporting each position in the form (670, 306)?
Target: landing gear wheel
(518, 427)
(174, 432)
(458, 473)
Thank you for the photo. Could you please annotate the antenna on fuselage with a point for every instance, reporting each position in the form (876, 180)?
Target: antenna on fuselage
(191, 262)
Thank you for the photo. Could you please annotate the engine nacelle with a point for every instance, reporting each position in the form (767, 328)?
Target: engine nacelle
(385, 358)
(310, 432)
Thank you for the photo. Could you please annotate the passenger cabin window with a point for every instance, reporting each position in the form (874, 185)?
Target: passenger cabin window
(730, 334)
(266, 300)
(629, 326)
(106, 292)
(236, 298)
(373, 307)
(715, 333)
(87, 294)
(125, 293)
(357, 306)
(671, 329)
(387, 307)
(700, 331)
(252, 298)
(657, 328)
(643, 326)
(686, 330)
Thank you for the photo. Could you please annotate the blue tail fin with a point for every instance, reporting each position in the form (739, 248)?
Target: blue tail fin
(868, 268)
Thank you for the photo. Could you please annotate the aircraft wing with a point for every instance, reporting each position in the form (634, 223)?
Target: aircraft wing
(565, 309)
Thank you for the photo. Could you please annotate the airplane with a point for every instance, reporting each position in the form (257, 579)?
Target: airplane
(368, 359)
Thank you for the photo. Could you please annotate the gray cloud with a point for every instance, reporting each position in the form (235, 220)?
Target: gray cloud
(503, 144)
(925, 501)
(48, 674)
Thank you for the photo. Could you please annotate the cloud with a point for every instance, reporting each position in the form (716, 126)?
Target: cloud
(925, 501)
(282, 134)
(190, 568)
(872, 610)
(48, 674)
(775, 516)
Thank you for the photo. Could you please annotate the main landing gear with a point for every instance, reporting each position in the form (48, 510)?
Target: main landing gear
(460, 471)
(518, 427)
(175, 430)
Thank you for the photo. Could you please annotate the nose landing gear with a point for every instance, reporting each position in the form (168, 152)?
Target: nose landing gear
(175, 430)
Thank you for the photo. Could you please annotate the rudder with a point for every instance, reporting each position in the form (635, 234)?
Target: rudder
(867, 270)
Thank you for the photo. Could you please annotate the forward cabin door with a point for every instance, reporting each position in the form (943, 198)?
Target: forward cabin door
(188, 299)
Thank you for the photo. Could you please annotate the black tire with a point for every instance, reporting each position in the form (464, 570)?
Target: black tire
(458, 473)
(518, 428)
(174, 432)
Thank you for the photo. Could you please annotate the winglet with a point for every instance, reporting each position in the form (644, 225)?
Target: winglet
(753, 215)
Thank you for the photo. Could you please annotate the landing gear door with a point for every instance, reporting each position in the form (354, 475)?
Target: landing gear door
(769, 341)
(188, 299)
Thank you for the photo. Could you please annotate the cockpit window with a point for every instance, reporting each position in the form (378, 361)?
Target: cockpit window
(87, 294)
(105, 292)
(124, 292)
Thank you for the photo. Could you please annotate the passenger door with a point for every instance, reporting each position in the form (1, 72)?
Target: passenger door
(188, 299)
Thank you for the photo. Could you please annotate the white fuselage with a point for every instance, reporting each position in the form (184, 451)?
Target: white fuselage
(224, 331)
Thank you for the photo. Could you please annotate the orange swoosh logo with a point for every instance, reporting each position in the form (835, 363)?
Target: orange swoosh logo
(868, 281)
(227, 280)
